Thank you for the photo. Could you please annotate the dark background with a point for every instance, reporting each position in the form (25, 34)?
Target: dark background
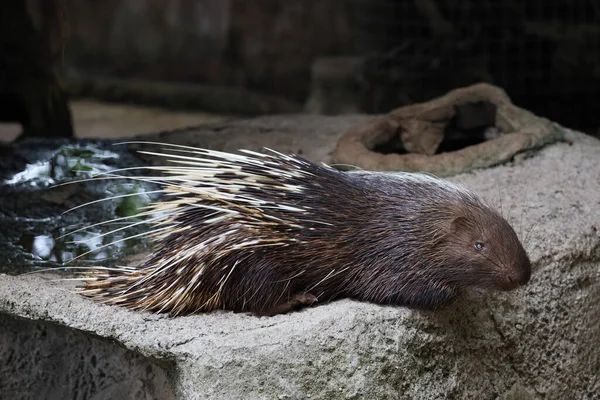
(545, 54)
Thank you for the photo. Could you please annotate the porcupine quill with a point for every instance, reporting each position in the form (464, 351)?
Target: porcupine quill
(268, 233)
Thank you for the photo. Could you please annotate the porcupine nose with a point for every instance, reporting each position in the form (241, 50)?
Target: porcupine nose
(519, 276)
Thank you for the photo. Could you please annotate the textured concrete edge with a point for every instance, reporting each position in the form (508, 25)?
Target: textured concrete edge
(565, 236)
(43, 359)
(43, 297)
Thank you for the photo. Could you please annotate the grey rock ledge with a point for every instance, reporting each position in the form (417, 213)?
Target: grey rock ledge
(540, 341)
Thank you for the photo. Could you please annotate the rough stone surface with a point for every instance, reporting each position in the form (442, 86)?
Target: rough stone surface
(70, 364)
(539, 340)
(421, 128)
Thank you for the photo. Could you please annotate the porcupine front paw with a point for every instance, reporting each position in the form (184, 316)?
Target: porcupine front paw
(295, 302)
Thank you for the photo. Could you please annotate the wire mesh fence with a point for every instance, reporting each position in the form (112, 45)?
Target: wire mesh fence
(544, 53)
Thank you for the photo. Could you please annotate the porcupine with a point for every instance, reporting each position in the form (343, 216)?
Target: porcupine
(267, 233)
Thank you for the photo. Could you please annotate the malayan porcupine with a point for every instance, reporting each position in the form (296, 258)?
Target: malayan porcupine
(267, 233)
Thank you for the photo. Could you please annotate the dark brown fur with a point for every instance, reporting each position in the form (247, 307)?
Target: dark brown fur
(408, 240)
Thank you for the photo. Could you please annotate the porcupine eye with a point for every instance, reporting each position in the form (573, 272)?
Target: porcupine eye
(479, 245)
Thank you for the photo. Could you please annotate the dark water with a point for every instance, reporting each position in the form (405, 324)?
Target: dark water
(34, 199)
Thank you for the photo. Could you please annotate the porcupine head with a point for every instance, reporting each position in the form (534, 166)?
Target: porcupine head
(420, 241)
(267, 233)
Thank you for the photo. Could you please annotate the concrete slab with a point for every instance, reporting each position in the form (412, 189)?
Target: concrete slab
(96, 119)
(538, 342)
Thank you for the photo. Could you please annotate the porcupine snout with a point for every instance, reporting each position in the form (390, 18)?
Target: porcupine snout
(519, 273)
(519, 277)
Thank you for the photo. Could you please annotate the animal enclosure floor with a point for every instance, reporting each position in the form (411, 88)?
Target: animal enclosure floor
(94, 119)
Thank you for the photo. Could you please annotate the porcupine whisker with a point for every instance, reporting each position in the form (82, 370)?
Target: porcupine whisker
(85, 269)
(171, 299)
(523, 209)
(224, 280)
(246, 292)
(139, 284)
(521, 222)
(288, 278)
(257, 291)
(215, 208)
(330, 275)
(257, 154)
(184, 295)
(157, 180)
(202, 163)
(71, 279)
(196, 169)
(213, 153)
(114, 220)
(120, 196)
(169, 265)
(213, 163)
(493, 261)
(113, 177)
(113, 173)
(318, 222)
(177, 157)
(533, 226)
(216, 160)
(176, 300)
(79, 181)
(117, 241)
(95, 237)
(210, 300)
(244, 182)
(283, 291)
(499, 199)
(231, 157)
